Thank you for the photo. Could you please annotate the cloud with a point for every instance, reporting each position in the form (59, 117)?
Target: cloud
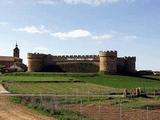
(46, 2)
(78, 34)
(41, 49)
(3, 23)
(103, 37)
(74, 34)
(85, 34)
(88, 2)
(130, 37)
(33, 29)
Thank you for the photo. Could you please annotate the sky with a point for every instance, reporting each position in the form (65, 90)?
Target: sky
(82, 27)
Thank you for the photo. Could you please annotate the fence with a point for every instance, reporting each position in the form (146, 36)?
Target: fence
(91, 107)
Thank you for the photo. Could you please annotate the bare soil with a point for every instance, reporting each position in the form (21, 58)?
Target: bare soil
(12, 111)
(106, 111)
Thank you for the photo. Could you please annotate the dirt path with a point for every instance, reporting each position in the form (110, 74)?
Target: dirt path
(2, 90)
(11, 111)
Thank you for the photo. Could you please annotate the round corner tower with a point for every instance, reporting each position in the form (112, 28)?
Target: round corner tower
(108, 62)
(35, 62)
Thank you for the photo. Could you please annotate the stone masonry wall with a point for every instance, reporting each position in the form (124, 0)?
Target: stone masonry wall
(106, 62)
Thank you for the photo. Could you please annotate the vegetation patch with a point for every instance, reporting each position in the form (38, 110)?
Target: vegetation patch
(45, 105)
(118, 81)
(51, 74)
(33, 78)
(111, 81)
(89, 84)
(138, 103)
(154, 77)
(60, 88)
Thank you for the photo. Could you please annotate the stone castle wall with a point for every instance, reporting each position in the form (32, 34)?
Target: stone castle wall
(41, 62)
(106, 62)
(126, 65)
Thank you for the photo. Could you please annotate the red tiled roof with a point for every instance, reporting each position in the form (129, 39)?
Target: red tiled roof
(7, 58)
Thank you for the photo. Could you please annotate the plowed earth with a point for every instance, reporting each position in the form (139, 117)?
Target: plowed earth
(106, 111)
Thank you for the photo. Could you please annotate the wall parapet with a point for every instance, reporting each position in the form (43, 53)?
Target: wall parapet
(108, 53)
(130, 57)
(62, 57)
(35, 56)
(76, 57)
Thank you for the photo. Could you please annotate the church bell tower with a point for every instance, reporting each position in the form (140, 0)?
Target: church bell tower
(16, 51)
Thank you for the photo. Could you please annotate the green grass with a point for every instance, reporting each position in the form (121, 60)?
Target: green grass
(138, 103)
(152, 76)
(135, 103)
(59, 114)
(60, 88)
(113, 81)
(35, 78)
(92, 84)
(51, 74)
(41, 76)
(118, 81)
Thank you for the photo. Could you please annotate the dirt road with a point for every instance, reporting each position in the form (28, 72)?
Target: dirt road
(2, 90)
(12, 111)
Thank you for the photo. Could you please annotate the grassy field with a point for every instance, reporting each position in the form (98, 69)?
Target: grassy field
(152, 76)
(88, 84)
(35, 78)
(60, 88)
(118, 81)
(112, 81)
(64, 109)
(135, 102)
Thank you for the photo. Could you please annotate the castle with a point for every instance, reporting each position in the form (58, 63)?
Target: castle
(14, 62)
(106, 62)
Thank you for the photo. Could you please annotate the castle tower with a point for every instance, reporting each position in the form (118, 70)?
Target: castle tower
(131, 64)
(16, 51)
(35, 62)
(108, 62)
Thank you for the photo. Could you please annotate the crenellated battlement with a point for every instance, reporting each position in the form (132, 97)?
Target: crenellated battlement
(130, 58)
(76, 57)
(35, 56)
(108, 53)
(107, 61)
(62, 57)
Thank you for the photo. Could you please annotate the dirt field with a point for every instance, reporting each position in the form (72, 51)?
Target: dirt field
(108, 112)
(11, 111)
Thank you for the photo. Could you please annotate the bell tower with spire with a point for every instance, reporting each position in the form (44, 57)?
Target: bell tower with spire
(16, 51)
